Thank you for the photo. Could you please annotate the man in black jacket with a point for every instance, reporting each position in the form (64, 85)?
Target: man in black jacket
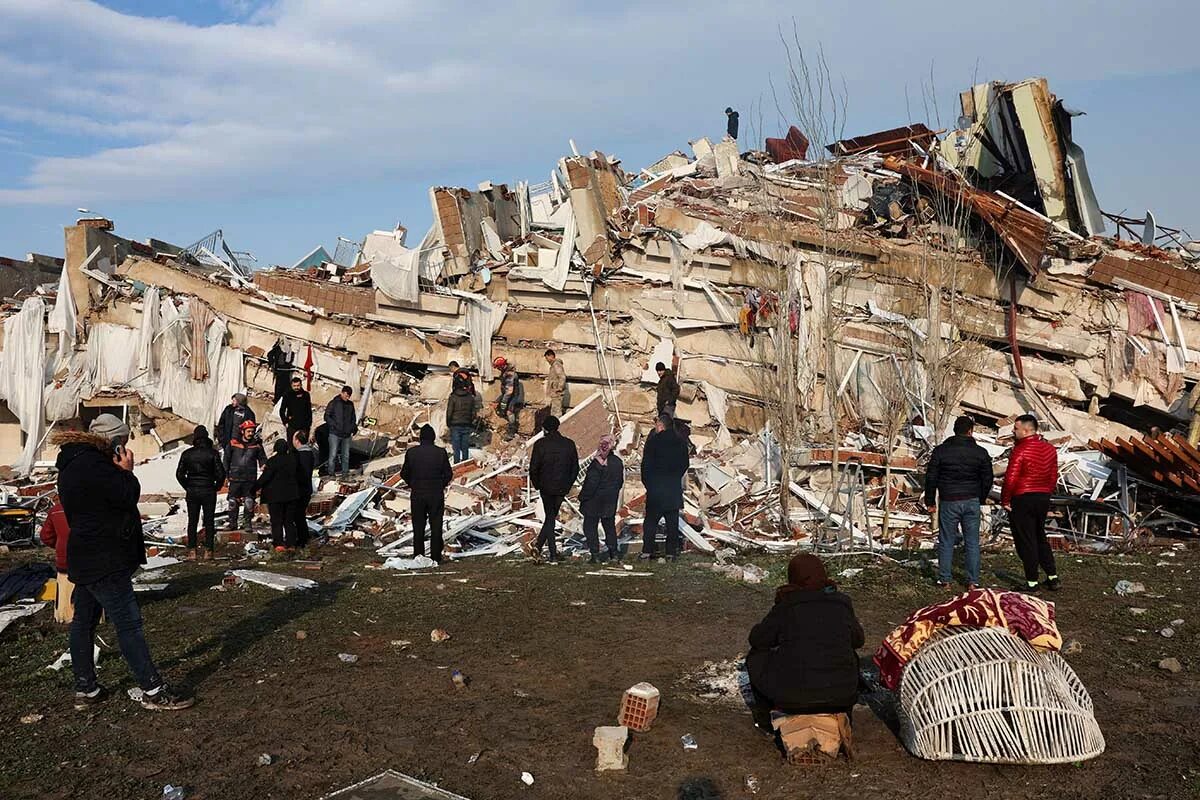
(99, 493)
(667, 391)
(341, 420)
(427, 472)
(229, 426)
(306, 462)
(664, 463)
(242, 461)
(295, 409)
(280, 489)
(201, 474)
(959, 477)
(461, 412)
(553, 468)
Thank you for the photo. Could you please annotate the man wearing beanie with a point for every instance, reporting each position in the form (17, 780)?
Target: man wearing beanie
(553, 468)
(427, 472)
(99, 493)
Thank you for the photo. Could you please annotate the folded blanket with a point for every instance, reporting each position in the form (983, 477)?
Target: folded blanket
(1028, 617)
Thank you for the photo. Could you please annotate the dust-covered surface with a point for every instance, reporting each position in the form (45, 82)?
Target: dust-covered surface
(543, 671)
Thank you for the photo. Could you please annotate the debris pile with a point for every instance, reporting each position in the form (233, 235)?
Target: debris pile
(827, 311)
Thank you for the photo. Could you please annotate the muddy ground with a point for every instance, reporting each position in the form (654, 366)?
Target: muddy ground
(549, 652)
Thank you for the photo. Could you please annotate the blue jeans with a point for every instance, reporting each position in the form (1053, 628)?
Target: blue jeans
(339, 446)
(112, 594)
(955, 516)
(460, 442)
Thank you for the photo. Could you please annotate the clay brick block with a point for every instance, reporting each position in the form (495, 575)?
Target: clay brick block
(639, 707)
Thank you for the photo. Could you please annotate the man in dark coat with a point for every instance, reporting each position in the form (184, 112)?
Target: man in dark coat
(306, 462)
(341, 420)
(279, 488)
(667, 391)
(99, 493)
(802, 657)
(731, 123)
(229, 426)
(201, 474)
(553, 468)
(280, 361)
(427, 472)
(242, 461)
(461, 413)
(295, 409)
(664, 463)
(959, 477)
(599, 497)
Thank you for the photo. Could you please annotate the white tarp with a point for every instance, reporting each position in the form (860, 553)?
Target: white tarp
(274, 580)
(23, 375)
(10, 614)
(718, 407)
(395, 269)
(417, 562)
(62, 320)
(483, 320)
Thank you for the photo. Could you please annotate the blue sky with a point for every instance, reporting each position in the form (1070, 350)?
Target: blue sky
(290, 123)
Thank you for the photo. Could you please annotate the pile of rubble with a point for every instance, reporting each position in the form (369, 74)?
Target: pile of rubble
(827, 314)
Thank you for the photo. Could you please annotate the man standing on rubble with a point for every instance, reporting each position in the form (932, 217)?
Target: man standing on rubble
(553, 468)
(229, 426)
(342, 422)
(427, 472)
(242, 461)
(556, 385)
(295, 409)
(668, 390)
(664, 463)
(99, 494)
(512, 396)
(1030, 479)
(959, 478)
(462, 409)
(306, 462)
(280, 360)
(201, 473)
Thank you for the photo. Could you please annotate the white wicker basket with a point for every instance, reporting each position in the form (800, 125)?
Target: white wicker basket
(986, 695)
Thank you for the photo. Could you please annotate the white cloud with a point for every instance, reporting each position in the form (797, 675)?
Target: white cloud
(311, 90)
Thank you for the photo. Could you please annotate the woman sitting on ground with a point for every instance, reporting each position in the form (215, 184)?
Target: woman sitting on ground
(802, 656)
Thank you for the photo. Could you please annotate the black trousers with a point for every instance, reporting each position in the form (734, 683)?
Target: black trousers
(610, 535)
(283, 524)
(299, 510)
(1028, 521)
(670, 518)
(197, 503)
(551, 503)
(294, 426)
(429, 510)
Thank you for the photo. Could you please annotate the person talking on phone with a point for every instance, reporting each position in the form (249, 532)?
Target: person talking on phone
(99, 494)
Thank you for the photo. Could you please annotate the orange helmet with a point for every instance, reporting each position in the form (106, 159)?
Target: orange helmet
(500, 362)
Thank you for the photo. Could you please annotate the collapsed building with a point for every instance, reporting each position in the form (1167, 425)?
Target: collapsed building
(828, 310)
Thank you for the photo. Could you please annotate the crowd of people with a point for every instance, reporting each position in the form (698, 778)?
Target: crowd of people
(802, 656)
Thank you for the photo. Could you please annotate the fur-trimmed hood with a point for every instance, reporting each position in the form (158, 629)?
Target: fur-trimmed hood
(64, 438)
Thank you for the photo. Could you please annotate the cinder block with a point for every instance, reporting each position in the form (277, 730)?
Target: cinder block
(639, 707)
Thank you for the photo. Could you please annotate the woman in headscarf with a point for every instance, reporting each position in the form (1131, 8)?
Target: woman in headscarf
(599, 497)
(802, 656)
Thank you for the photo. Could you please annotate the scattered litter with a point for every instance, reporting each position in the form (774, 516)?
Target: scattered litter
(172, 792)
(438, 635)
(273, 580)
(265, 760)
(1167, 633)
(1176, 623)
(1071, 647)
(459, 680)
(348, 658)
(10, 614)
(30, 719)
(850, 572)
(1125, 588)
(526, 779)
(474, 757)
(419, 562)
(1171, 665)
(639, 707)
(301, 635)
(157, 562)
(609, 741)
(752, 784)
(135, 694)
(578, 602)
(689, 742)
(632, 600)
(1137, 612)
(376, 590)
(400, 643)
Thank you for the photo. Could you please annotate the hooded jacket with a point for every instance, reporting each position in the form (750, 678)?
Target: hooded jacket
(460, 408)
(231, 422)
(802, 655)
(200, 470)
(554, 464)
(306, 462)
(243, 459)
(1032, 468)
(341, 417)
(100, 502)
(601, 489)
(665, 460)
(427, 470)
(667, 391)
(278, 482)
(959, 469)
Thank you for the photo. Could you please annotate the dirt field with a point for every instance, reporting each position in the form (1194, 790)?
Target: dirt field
(548, 652)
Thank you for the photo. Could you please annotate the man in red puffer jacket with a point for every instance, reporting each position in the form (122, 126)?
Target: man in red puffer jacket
(1030, 479)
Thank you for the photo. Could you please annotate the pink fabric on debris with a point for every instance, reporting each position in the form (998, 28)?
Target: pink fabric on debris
(1141, 309)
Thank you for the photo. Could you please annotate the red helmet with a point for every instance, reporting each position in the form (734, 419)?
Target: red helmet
(248, 425)
(500, 362)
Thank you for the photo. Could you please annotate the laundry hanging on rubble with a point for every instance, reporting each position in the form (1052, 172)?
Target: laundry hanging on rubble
(201, 316)
(23, 375)
(1028, 617)
(63, 321)
(483, 320)
(395, 269)
(1142, 311)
